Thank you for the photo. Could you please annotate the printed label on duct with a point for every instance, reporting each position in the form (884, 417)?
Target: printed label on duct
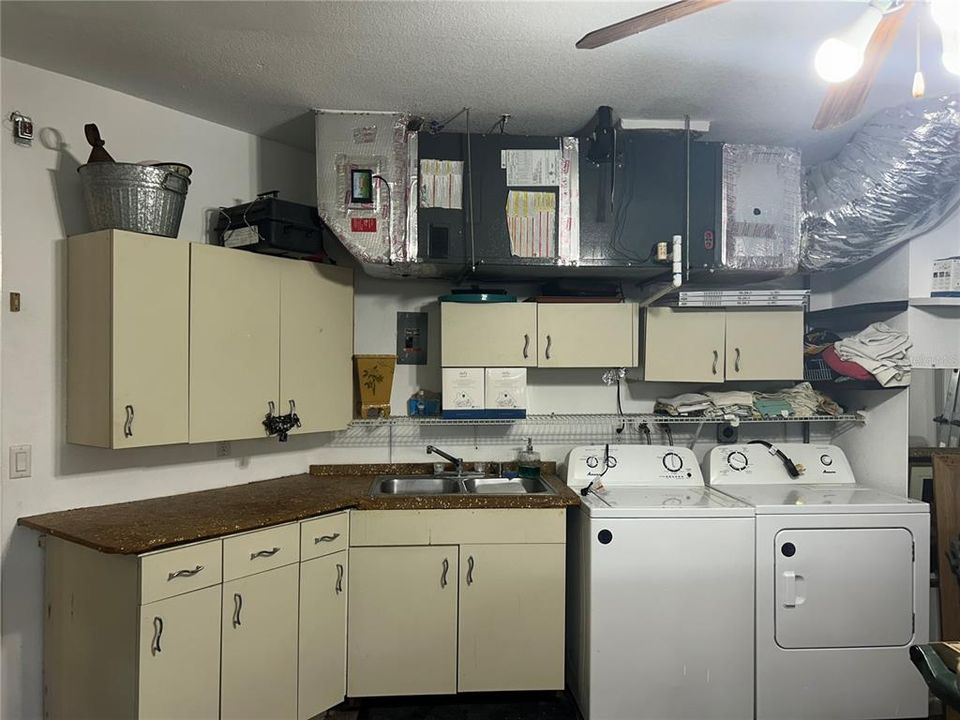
(363, 224)
(365, 134)
(531, 219)
(241, 237)
(531, 168)
(441, 184)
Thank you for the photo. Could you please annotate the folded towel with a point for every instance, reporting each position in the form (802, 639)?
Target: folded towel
(882, 351)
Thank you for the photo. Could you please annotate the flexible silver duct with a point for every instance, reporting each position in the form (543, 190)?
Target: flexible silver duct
(897, 178)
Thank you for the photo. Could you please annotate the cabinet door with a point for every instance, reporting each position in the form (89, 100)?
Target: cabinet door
(259, 656)
(234, 342)
(511, 617)
(682, 345)
(179, 667)
(151, 311)
(402, 636)
(764, 344)
(492, 335)
(587, 334)
(316, 344)
(323, 634)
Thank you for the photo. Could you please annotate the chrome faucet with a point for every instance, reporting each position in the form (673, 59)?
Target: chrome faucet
(457, 462)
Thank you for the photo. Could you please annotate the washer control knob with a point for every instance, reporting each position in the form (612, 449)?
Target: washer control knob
(737, 460)
(592, 461)
(673, 462)
(826, 460)
(611, 462)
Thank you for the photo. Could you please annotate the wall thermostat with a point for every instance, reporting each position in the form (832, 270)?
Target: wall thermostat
(361, 186)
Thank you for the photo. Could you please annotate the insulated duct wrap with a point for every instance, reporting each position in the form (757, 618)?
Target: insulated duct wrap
(897, 178)
(376, 233)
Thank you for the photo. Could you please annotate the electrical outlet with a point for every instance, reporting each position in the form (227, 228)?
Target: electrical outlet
(21, 461)
(223, 449)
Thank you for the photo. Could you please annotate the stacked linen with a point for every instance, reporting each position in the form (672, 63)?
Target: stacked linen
(882, 351)
(801, 399)
(685, 404)
(733, 403)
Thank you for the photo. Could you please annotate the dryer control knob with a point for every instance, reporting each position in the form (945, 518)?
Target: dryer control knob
(737, 460)
(826, 460)
(592, 461)
(673, 462)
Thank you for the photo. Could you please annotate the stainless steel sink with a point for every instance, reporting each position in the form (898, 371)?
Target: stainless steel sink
(417, 486)
(507, 486)
(468, 485)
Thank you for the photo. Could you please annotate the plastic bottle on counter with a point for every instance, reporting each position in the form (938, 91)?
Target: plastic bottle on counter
(528, 461)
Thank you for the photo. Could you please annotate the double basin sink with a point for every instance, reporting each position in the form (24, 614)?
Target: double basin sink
(462, 485)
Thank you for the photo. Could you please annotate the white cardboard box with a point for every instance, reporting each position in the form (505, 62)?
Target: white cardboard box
(946, 277)
(506, 390)
(462, 391)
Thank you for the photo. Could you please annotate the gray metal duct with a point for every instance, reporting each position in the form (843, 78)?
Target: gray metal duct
(897, 178)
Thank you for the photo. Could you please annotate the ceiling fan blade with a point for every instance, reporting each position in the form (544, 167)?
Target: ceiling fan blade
(845, 100)
(652, 19)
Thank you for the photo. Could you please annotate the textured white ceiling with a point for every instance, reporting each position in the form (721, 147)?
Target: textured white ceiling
(259, 66)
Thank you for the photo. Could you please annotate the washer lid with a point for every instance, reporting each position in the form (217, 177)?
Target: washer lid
(820, 499)
(642, 501)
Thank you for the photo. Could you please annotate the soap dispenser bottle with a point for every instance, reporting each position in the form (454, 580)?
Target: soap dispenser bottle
(528, 461)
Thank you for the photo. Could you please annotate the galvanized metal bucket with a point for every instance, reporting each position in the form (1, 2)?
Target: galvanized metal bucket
(142, 198)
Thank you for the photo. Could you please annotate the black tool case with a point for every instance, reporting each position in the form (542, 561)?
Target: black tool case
(272, 226)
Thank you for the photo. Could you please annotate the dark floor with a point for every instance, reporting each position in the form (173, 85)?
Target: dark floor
(486, 706)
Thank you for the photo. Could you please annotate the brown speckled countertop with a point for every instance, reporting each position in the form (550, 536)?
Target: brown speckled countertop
(135, 527)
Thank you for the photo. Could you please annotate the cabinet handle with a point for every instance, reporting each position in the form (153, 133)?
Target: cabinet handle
(470, 570)
(271, 408)
(546, 352)
(264, 553)
(184, 573)
(443, 577)
(237, 607)
(325, 538)
(128, 423)
(736, 363)
(526, 346)
(155, 648)
(716, 359)
(339, 585)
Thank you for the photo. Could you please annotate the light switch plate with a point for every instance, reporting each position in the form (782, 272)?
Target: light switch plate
(21, 461)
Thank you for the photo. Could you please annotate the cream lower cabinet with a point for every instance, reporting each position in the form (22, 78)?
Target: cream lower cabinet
(511, 617)
(323, 634)
(402, 637)
(488, 334)
(714, 345)
(179, 657)
(588, 335)
(259, 646)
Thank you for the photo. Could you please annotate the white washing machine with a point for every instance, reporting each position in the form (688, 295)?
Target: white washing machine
(660, 619)
(842, 584)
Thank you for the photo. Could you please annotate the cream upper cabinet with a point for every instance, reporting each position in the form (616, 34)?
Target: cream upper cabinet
(179, 665)
(683, 345)
(234, 342)
(323, 634)
(588, 334)
(259, 646)
(764, 344)
(488, 334)
(511, 617)
(402, 619)
(127, 339)
(714, 345)
(316, 345)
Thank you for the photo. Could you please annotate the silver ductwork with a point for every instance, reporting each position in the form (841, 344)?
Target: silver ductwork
(897, 178)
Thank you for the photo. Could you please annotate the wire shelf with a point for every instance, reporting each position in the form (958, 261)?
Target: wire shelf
(602, 419)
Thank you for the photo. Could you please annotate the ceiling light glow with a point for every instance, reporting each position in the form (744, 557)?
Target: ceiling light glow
(840, 58)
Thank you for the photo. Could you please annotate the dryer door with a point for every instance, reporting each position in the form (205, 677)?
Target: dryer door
(844, 587)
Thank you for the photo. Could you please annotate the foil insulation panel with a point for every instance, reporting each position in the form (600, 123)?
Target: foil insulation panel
(897, 178)
(760, 209)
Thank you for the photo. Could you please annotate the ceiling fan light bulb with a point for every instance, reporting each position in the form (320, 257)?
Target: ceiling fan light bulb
(919, 85)
(837, 60)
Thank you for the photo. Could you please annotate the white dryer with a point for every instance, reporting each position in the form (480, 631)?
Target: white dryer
(842, 584)
(660, 619)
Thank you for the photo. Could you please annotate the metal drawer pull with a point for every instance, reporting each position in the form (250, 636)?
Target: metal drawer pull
(237, 607)
(271, 408)
(293, 408)
(470, 570)
(736, 363)
(546, 352)
(443, 577)
(339, 585)
(157, 634)
(184, 573)
(526, 346)
(325, 538)
(128, 423)
(264, 553)
(716, 359)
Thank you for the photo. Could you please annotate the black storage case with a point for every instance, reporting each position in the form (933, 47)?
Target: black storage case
(272, 226)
